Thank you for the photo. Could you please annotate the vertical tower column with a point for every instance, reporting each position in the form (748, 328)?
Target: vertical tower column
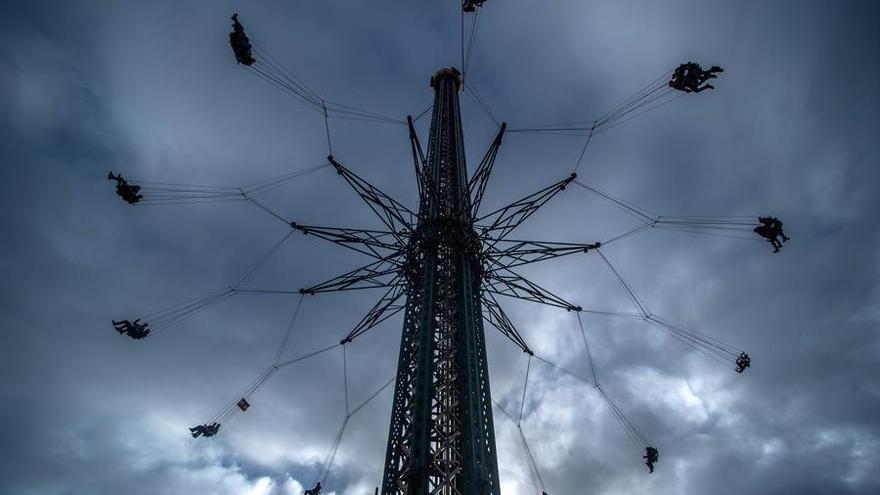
(441, 439)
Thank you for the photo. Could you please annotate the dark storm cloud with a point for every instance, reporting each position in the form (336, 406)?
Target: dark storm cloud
(149, 90)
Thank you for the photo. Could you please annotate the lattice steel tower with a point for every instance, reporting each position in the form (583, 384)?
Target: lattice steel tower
(441, 439)
(448, 261)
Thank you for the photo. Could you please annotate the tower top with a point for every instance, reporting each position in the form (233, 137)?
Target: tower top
(447, 72)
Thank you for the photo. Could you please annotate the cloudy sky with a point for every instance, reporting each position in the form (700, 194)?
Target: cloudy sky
(150, 90)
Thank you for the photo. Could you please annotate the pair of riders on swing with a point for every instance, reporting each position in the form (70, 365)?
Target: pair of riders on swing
(241, 45)
(771, 229)
(206, 430)
(128, 192)
(691, 78)
(134, 329)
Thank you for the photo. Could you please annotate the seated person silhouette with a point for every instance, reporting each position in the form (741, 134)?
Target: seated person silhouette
(771, 229)
(314, 491)
(128, 192)
(134, 329)
(471, 5)
(206, 430)
(690, 77)
(651, 456)
(241, 45)
(775, 225)
(743, 362)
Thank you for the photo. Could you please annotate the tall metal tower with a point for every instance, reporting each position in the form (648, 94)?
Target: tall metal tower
(450, 262)
(441, 439)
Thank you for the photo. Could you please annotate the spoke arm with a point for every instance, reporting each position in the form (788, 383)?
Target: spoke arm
(385, 308)
(480, 179)
(378, 244)
(382, 273)
(395, 216)
(505, 282)
(495, 315)
(514, 253)
(505, 219)
(418, 154)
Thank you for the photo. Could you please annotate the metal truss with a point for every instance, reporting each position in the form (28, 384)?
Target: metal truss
(480, 179)
(394, 215)
(376, 243)
(511, 253)
(495, 315)
(380, 273)
(385, 308)
(418, 155)
(447, 265)
(441, 437)
(443, 269)
(507, 283)
(507, 218)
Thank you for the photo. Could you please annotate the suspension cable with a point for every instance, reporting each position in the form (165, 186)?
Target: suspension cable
(170, 193)
(635, 435)
(345, 379)
(471, 42)
(525, 387)
(587, 349)
(250, 272)
(635, 299)
(534, 473)
(283, 345)
(324, 471)
(637, 211)
(326, 467)
(159, 321)
(327, 127)
(586, 144)
(711, 347)
(644, 99)
(461, 45)
(275, 74)
(531, 458)
(265, 208)
(471, 92)
(740, 227)
(423, 112)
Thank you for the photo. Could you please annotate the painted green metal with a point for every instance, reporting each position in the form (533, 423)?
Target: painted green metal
(441, 438)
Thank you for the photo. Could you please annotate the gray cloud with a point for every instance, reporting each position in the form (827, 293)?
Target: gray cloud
(149, 90)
